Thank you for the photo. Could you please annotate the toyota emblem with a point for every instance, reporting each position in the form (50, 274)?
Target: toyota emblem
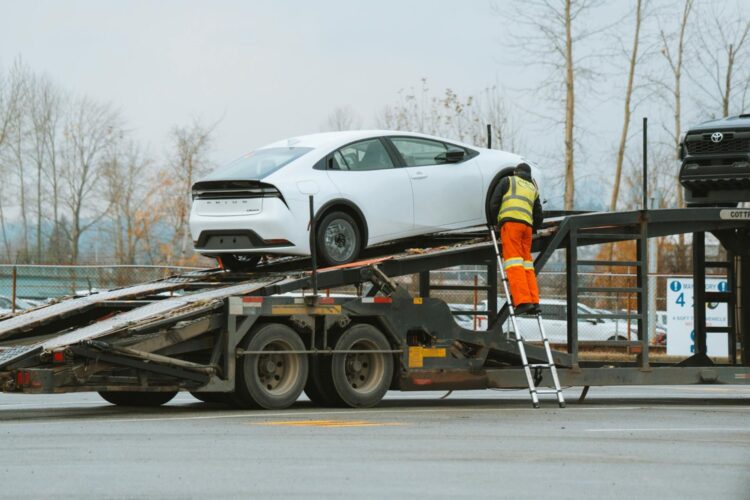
(717, 137)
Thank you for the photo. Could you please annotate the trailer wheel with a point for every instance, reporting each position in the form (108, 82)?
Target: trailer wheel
(362, 379)
(274, 380)
(319, 387)
(214, 397)
(135, 398)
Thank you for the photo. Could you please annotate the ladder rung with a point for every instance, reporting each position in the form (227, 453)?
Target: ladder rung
(547, 391)
(628, 263)
(541, 365)
(611, 289)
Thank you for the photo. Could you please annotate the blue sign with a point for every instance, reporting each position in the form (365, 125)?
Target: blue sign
(676, 286)
(722, 286)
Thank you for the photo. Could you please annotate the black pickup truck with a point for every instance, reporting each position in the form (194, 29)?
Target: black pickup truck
(716, 162)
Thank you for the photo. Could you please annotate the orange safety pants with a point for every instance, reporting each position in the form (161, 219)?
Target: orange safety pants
(519, 267)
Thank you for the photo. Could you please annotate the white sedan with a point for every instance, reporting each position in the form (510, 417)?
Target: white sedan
(369, 187)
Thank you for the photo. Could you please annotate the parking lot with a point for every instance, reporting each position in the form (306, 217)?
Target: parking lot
(648, 442)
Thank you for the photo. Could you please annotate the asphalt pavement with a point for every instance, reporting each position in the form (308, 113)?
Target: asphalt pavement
(642, 442)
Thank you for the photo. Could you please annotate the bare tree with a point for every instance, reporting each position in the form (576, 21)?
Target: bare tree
(722, 66)
(626, 117)
(551, 33)
(90, 129)
(449, 115)
(342, 118)
(125, 175)
(187, 162)
(673, 50)
(11, 103)
(44, 114)
(16, 154)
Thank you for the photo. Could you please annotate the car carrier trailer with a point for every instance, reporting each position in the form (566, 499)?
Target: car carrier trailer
(258, 339)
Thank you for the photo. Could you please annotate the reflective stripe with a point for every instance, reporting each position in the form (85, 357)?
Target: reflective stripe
(513, 262)
(528, 264)
(518, 201)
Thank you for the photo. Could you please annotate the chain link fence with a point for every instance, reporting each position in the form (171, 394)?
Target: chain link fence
(553, 292)
(39, 282)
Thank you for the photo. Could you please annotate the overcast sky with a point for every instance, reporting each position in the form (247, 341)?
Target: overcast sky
(268, 70)
(274, 69)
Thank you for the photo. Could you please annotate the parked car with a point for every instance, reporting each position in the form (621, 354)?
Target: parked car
(715, 167)
(466, 320)
(369, 187)
(6, 304)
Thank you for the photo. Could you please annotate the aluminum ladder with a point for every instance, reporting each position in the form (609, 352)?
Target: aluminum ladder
(527, 367)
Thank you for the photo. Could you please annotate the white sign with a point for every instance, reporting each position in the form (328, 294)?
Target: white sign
(734, 214)
(680, 333)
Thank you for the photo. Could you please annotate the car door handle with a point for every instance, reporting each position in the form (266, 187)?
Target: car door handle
(419, 175)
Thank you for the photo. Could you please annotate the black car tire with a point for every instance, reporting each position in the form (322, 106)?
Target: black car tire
(239, 262)
(338, 239)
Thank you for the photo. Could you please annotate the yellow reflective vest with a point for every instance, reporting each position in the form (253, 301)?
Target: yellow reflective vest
(518, 202)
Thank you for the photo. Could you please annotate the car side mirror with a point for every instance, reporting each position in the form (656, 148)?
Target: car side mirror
(452, 155)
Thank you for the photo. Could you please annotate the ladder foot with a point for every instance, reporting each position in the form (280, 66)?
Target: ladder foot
(562, 405)
(536, 405)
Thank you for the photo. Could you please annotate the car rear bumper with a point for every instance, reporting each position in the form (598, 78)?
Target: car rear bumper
(274, 230)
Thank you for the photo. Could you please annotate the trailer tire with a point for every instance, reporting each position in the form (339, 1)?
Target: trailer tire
(319, 388)
(214, 397)
(361, 380)
(271, 381)
(135, 398)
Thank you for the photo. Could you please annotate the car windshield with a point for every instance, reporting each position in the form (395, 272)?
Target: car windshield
(258, 164)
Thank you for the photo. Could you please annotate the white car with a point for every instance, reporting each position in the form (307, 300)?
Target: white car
(555, 321)
(6, 305)
(369, 187)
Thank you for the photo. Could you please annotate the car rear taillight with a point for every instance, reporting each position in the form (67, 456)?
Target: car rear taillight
(233, 190)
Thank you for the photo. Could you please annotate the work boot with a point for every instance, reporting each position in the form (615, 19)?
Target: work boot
(524, 308)
(535, 309)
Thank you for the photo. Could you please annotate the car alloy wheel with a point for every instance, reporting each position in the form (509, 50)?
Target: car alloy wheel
(338, 239)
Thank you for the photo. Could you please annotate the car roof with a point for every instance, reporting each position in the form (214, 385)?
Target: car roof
(332, 139)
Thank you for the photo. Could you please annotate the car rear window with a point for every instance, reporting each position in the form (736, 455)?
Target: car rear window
(258, 164)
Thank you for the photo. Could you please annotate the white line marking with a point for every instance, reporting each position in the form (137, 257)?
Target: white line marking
(72, 405)
(350, 412)
(676, 429)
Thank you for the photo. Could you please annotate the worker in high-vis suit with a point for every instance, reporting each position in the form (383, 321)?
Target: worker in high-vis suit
(519, 214)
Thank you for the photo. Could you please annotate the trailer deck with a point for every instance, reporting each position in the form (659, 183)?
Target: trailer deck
(242, 338)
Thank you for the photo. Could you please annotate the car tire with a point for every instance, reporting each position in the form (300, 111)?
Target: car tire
(361, 380)
(136, 398)
(338, 239)
(271, 381)
(492, 218)
(617, 338)
(239, 262)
